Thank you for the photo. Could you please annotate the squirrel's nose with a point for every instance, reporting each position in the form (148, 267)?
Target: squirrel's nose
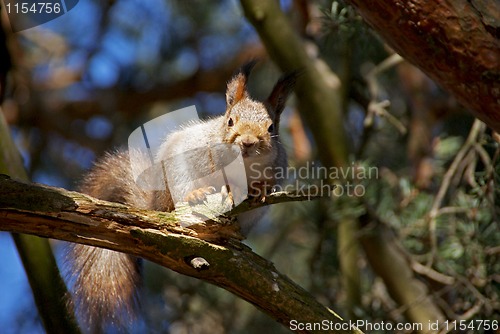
(249, 142)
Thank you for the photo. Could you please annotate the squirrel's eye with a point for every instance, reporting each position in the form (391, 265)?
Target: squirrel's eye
(230, 122)
(271, 128)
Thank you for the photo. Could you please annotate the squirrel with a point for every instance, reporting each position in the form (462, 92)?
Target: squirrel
(105, 282)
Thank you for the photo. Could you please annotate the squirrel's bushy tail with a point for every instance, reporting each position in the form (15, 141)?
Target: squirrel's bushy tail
(104, 283)
(105, 286)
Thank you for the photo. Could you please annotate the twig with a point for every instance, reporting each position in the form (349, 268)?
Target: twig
(431, 273)
(476, 130)
(379, 108)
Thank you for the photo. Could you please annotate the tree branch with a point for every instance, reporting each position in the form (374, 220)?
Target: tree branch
(172, 240)
(455, 42)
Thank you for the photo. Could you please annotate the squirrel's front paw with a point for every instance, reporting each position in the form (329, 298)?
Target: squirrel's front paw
(199, 195)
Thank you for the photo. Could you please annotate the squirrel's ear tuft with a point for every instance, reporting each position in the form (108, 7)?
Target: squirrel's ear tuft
(281, 90)
(237, 87)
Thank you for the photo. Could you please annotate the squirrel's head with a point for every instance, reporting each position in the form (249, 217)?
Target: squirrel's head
(254, 125)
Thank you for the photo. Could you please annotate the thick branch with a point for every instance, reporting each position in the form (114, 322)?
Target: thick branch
(160, 237)
(455, 42)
